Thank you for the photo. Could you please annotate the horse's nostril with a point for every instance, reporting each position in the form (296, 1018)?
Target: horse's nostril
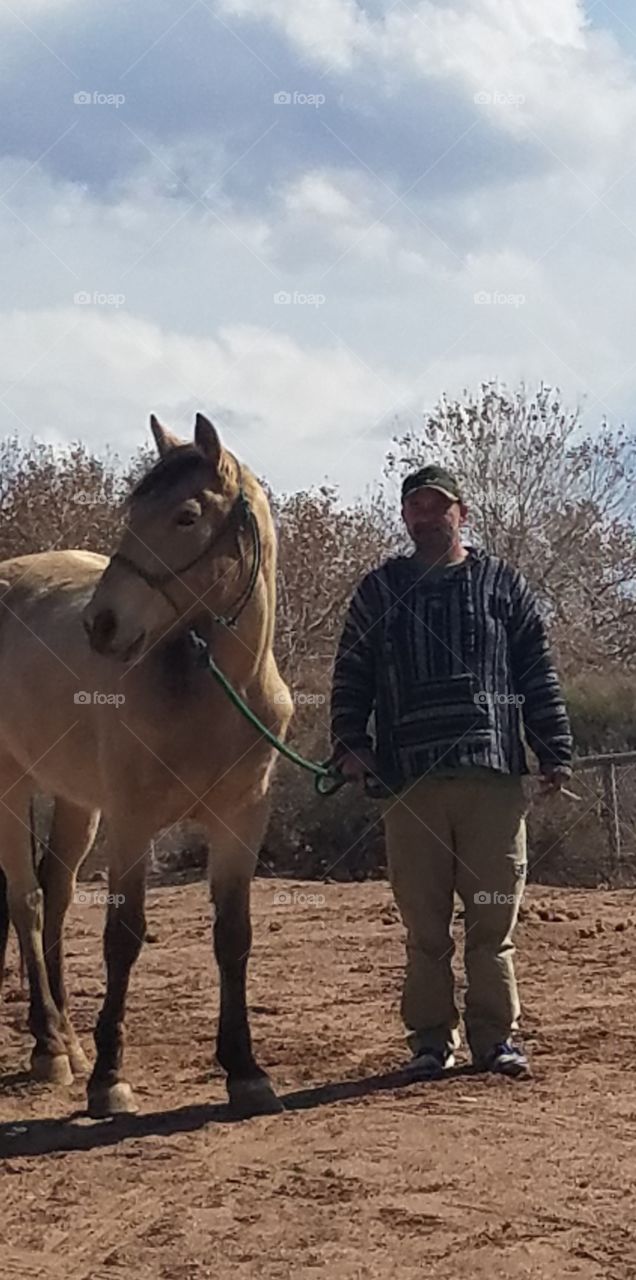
(103, 627)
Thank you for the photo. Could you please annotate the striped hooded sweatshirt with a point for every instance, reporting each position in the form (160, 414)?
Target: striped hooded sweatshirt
(454, 665)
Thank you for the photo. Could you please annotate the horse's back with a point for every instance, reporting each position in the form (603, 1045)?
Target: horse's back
(52, 569)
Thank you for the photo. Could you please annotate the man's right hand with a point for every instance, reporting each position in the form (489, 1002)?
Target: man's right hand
(357, 764)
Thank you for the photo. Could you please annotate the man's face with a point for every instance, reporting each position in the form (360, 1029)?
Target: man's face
(433, 520)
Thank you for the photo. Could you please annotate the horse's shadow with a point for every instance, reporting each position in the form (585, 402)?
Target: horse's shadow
(77, 1133)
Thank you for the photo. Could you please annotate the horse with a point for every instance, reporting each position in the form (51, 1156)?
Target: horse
(106, 706)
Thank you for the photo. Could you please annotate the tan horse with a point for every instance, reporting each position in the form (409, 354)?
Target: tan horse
(104, 705)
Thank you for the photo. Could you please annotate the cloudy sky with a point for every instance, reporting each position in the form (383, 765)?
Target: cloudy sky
(307, 218)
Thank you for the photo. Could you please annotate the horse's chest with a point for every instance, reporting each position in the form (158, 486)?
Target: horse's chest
(187, 742)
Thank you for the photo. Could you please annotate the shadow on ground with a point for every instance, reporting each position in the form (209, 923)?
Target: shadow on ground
(76, 1132)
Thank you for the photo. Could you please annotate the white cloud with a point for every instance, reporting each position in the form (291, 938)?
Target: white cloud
(27, 9)
(94, 373)
(380, 315)
(333, 32)
(540, 64)
(305, 388)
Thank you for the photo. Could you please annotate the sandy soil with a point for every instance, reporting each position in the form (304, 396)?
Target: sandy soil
(467, 1178)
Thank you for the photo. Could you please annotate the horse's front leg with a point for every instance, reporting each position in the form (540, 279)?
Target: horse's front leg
(235, 840)
(108, 1091)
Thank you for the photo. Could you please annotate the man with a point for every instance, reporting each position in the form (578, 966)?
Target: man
(449, 651)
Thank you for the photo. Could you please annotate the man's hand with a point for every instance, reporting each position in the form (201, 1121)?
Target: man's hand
(357, 764)
(553, 777)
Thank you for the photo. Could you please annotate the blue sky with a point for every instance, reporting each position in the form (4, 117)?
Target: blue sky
(308, 218)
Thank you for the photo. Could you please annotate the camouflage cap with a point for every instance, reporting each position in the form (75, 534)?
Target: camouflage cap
(432, 477)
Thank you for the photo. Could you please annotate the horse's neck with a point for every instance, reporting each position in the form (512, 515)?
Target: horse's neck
(238, 649)
(254, 629)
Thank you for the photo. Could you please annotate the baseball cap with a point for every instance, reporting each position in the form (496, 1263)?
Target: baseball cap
(432, 477)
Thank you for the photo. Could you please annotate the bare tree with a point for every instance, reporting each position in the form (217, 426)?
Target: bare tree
(558, 503)
(52, 498)
(324, 550)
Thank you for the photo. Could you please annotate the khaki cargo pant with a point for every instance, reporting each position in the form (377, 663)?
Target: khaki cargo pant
(466, 835)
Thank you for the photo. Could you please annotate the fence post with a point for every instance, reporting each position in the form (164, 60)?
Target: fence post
(611, 811)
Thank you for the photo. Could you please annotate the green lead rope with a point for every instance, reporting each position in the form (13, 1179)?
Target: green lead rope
(327, 779)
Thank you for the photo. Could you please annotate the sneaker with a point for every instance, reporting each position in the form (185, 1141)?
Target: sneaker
(505, 1059)
(430, 1064)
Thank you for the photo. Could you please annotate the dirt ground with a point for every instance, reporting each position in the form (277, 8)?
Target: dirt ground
(466, 1178)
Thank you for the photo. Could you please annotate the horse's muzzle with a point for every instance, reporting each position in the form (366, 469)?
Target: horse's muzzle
(102, 636)
(101, 630)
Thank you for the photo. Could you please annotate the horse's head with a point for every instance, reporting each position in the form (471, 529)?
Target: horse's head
(180, 545)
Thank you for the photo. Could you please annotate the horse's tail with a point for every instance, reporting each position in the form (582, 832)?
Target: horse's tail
(4, 888)
(37, 867)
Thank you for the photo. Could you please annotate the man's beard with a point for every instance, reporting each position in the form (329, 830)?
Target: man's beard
(433, 539)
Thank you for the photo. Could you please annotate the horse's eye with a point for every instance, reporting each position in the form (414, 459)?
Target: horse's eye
(188, 515)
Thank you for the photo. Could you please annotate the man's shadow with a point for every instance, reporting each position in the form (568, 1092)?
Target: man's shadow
(77, 1133)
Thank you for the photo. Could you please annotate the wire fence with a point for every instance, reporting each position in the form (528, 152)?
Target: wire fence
(611, 778)
(589, 838)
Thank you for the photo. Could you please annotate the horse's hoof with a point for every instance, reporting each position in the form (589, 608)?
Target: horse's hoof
(48, 1069)
(80, 1065)
(253, 1098)
(111, 1100)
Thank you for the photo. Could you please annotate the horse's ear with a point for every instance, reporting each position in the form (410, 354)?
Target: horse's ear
(207, 439)
(164, 439)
